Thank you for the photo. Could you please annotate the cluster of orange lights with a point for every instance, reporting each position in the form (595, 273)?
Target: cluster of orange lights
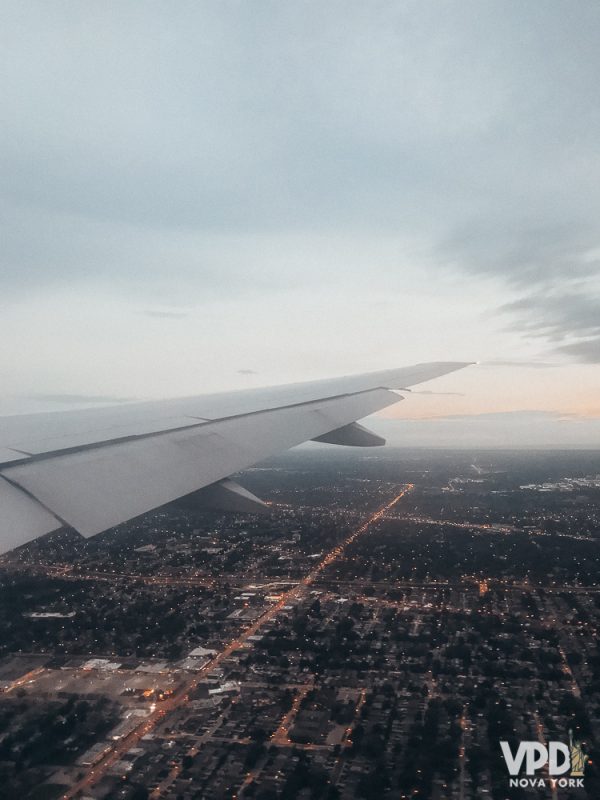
(158, 694)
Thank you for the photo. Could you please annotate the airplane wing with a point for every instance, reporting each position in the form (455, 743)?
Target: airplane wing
(93, 469)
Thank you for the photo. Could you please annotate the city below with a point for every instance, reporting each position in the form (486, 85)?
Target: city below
(393, 617)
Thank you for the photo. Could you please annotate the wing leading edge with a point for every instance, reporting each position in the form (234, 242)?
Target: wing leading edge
(95, 469)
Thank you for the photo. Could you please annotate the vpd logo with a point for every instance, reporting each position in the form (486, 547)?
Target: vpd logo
(555, 760)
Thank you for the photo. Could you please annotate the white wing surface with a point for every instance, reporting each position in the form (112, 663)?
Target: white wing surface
(91, 470)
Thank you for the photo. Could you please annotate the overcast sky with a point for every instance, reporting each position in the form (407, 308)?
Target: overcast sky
(197, 196)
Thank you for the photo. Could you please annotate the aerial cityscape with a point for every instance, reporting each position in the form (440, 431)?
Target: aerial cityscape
(375, 635)
(243, 246)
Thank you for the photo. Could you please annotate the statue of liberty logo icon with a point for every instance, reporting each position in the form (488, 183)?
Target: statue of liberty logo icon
(578, 757)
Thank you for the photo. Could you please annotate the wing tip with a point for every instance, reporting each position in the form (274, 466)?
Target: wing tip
(426, 371)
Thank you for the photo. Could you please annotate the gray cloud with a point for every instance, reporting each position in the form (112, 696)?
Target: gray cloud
(554, 266)
(527, 251)
(247, 372)
(586, 351)
(265, 154)
(557, 316)
(137, 140)
(569, 322)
